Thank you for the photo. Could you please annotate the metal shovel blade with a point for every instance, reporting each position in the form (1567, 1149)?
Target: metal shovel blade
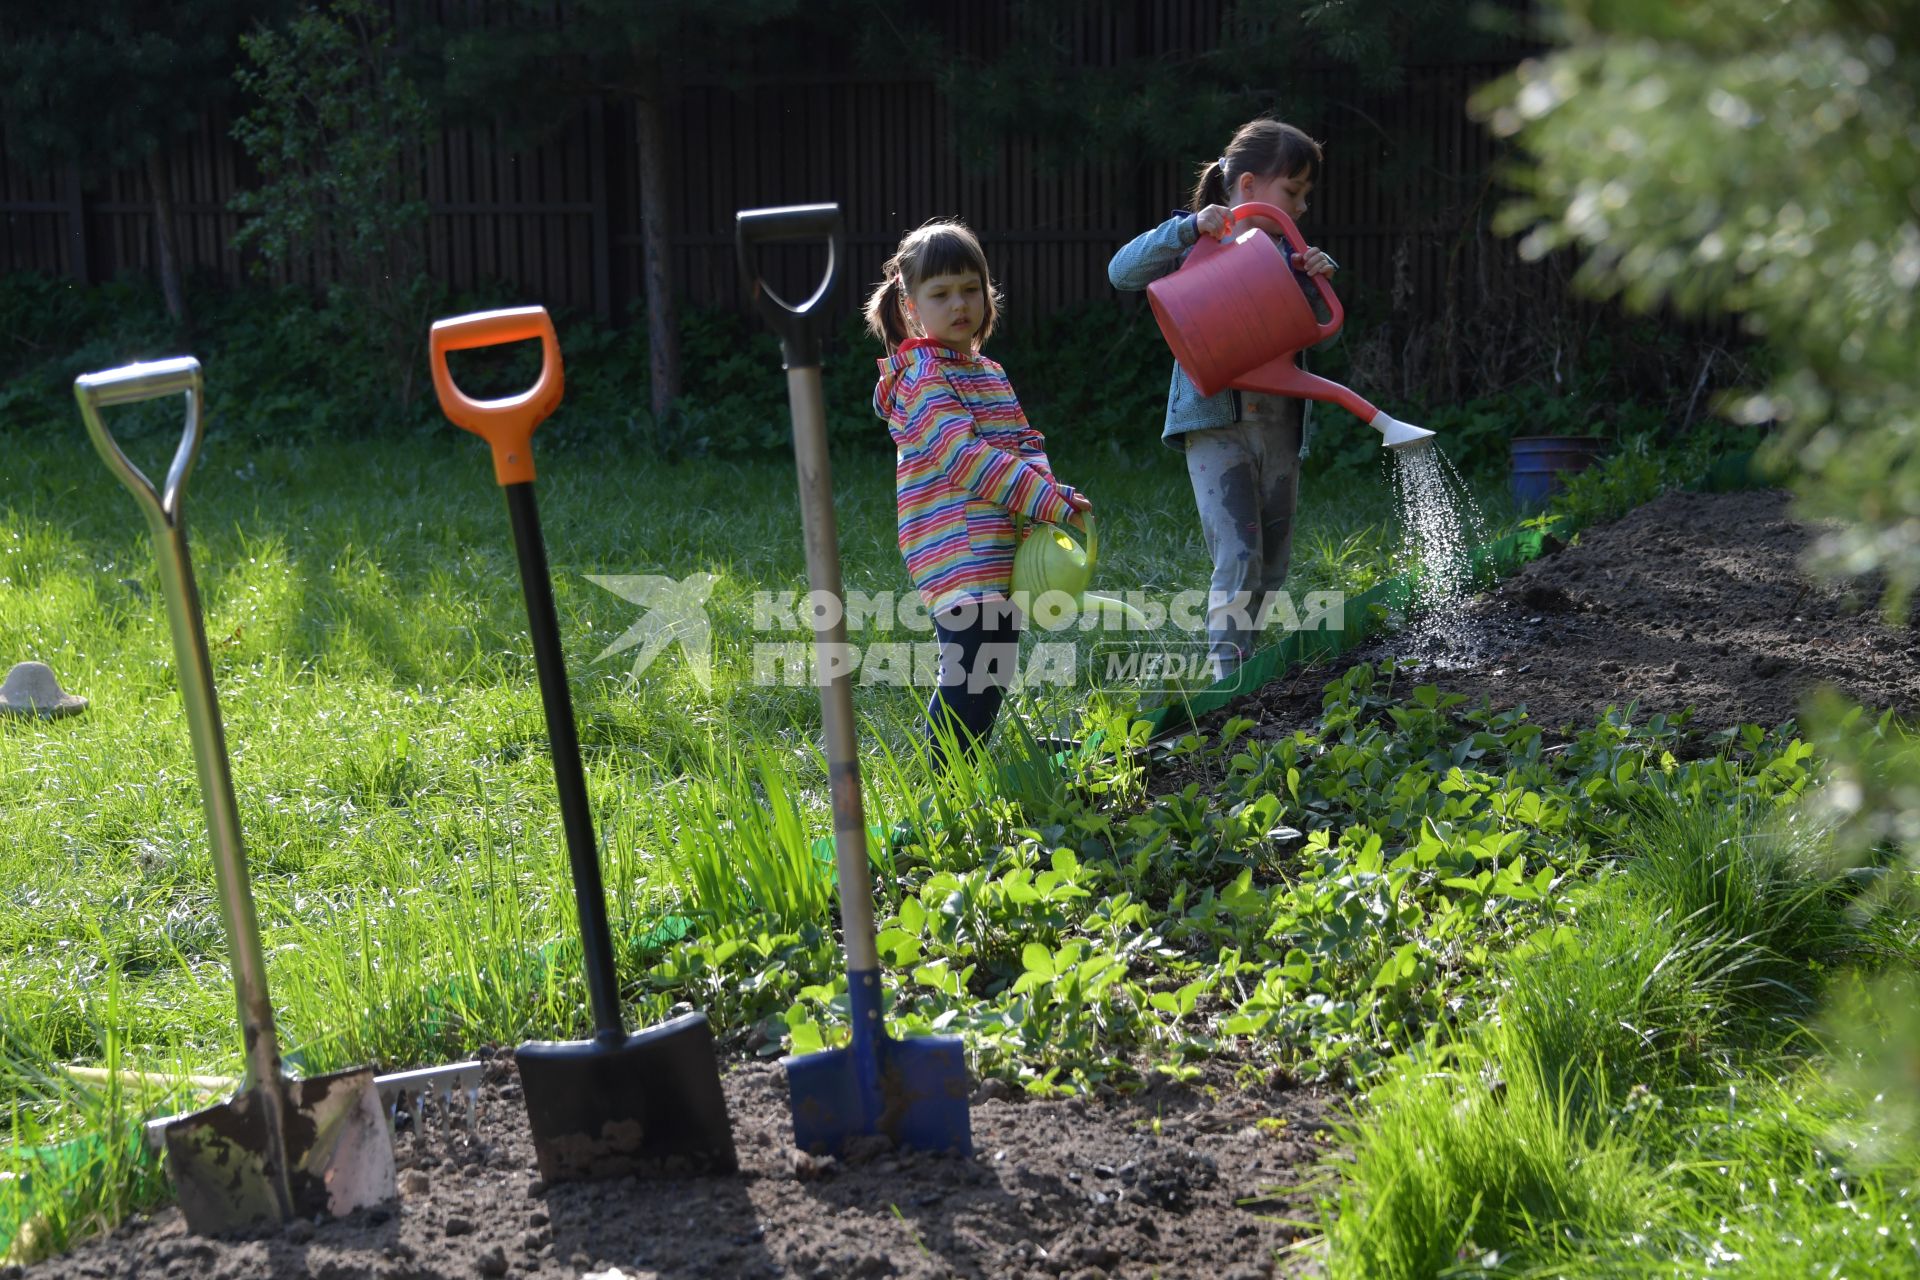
(914, 1092)
(646, 1105)
(338, 1155)
(921, 1101)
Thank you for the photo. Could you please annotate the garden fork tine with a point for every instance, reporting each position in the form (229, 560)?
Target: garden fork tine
(394, 1088)
(441, 1082)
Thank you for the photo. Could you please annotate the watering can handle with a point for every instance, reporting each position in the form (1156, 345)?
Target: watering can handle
(506, 424)
(797, 326)
(1089, 536)
(1336, 313)
(1092, 539)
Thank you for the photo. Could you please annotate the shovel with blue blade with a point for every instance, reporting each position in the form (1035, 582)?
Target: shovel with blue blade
(913, 1092)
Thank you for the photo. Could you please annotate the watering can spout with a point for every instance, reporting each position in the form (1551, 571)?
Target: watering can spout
(1395, 434)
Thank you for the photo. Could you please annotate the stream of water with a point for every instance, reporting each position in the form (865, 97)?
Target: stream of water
(1440, 524)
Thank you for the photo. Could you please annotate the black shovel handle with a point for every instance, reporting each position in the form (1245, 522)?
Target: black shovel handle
(508, 425)
(569, 778)
(798, 327)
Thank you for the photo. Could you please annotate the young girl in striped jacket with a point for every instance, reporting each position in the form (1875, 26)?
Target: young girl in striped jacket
(968, 462)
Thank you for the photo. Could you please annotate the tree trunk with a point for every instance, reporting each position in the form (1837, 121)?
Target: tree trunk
(663, 326)
(160, 183)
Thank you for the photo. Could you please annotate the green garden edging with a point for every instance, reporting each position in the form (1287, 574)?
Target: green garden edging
(1363, 616)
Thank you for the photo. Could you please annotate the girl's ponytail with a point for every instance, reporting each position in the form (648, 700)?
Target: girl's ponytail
(886, 317)
(1211, 188)
(1264, 148)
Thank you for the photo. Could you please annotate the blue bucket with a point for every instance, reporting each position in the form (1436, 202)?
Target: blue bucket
(1538, 462)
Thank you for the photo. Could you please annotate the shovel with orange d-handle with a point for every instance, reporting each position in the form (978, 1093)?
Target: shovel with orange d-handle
(912, 1091)
(279, 1149)
(616, 1105)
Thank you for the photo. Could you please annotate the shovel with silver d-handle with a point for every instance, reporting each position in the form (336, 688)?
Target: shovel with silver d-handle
(281, 1148)
(616, 1105)
(912, 1091)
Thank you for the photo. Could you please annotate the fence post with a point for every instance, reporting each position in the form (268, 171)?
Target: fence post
(597, 186)
(79, 259)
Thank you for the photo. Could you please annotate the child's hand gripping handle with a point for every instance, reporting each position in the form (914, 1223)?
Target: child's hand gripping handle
(1337, 315)
(798, 327)
(131, 384)
(506, 424)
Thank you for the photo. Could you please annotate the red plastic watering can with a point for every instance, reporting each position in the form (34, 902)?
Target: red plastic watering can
(1235, 317)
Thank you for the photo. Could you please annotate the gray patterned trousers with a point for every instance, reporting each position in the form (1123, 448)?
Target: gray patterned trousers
(1246, 482)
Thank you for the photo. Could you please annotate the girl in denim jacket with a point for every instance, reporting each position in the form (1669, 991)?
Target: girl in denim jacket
(1243, 449)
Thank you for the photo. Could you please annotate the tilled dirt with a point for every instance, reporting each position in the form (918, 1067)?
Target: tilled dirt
(1693, 601)
(1174, 1181)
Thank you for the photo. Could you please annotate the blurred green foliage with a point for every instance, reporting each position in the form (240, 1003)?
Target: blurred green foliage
(1765, 159)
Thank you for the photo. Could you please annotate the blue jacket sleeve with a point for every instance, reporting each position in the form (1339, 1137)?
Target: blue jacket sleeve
(1152, 254)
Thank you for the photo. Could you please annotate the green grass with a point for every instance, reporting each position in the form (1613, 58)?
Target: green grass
(389, 759)
(1578, 984)
(1647, 1099)
(1752, 1177)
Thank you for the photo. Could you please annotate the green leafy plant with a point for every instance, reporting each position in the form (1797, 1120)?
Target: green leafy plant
(335, 129)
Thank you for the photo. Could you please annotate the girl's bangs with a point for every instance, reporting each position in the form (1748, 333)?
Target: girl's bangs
(949, 253)
(1299, 156)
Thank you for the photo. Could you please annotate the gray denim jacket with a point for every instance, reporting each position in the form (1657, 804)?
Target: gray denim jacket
(1140, 262)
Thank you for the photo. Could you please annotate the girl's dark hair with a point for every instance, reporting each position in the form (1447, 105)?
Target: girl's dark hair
(944, 246)
(1263, 148)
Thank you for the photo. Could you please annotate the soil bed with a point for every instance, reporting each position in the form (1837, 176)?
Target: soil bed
(1694, 600)
(1148, 1185)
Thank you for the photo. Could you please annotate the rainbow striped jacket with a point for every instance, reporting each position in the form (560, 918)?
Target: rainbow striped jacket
(967, 461)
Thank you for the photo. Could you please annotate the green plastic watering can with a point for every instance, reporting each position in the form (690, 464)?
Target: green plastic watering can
(1050, 560)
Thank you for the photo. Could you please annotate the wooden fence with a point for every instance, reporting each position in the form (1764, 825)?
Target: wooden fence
(559, 222)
